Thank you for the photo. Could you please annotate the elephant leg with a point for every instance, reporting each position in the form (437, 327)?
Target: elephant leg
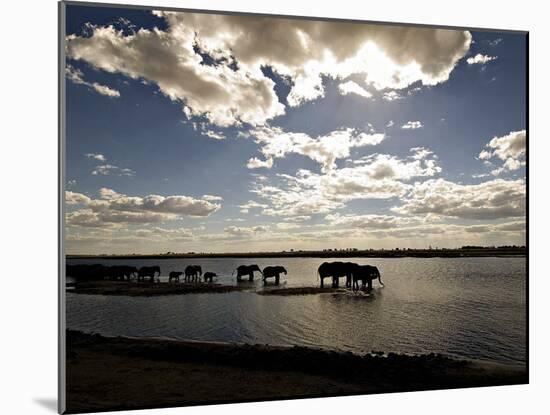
(369, 288)
(277, 280)
(251, 277)
(321, 278)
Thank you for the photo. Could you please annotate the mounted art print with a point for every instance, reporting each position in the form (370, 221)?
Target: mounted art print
(258, 207)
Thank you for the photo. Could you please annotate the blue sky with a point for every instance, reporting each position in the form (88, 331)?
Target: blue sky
(190, 132)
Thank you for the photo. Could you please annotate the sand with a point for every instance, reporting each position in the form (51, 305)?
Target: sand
(131, 373)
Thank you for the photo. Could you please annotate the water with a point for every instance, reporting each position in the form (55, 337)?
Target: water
(464, 307)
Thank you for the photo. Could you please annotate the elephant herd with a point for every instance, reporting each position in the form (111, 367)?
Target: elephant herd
(113, 272)
(192, 273)
(268, 272)
(354, 273)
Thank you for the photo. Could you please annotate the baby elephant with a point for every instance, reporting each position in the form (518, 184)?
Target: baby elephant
(208, 276)
(174, 275)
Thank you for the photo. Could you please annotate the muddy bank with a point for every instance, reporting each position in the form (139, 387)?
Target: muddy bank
(147, 289)
(131, 373)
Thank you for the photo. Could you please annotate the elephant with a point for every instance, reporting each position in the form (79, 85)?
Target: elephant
(85, 272)
(247, 270)
(193, 273)
(174, 275)
(273, 271)
(148, 272)
(209, 276)
(336, 270)
(365, 274)
(122, 272)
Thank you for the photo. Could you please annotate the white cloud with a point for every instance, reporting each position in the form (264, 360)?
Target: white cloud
(214, 135)
(371, 222)
(96, 156)
(212, 198)
(105, 90)
(480, 59)
(391, 96)
(326, 149)
(165, 234)
(114, 208)
(237, 231)
(492, 199)
(351, 87)
(76, 76)
(510, 149)
(302, 50)
(412, 125)
(287, 226)
(256, 163)
(389, 124)
(73, 198)
(109, 169)
(251, 204)
(378, 176)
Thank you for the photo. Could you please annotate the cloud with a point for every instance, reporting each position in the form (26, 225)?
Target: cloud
(96, 156)
(73, 198)
(214, 135)
(480, 59)
(223, 96)
(391, 96)
(212, 198)
(412, 125)
(494, 199)
(213, 63)
(76, 76)
(510, 149)
(109, 169)
(251, 204)
(351, 87)
(373, 222)
(113, 208)
(105, 90)
(389, 124)
(378, 176)
(256, 163)
(165, 234)
(237, 231)
(325, 149)
(287, 226)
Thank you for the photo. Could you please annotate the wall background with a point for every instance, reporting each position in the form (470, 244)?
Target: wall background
(28, 205)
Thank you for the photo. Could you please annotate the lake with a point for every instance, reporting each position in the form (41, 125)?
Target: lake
(471, 308)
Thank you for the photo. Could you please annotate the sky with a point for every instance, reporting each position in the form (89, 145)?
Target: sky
(189, 132)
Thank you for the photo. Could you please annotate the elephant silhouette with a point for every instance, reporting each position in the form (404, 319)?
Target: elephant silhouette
(273, 272)
(193, 273)
(121, 272)
(247, 270)
(174, 275)
(209, 276)
(336, 270)
(150, 272)
(366, 274)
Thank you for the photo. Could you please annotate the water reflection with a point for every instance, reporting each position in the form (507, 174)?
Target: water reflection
(468, 307)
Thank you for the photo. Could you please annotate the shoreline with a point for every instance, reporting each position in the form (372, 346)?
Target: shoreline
(515, 252)
(110, 373)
